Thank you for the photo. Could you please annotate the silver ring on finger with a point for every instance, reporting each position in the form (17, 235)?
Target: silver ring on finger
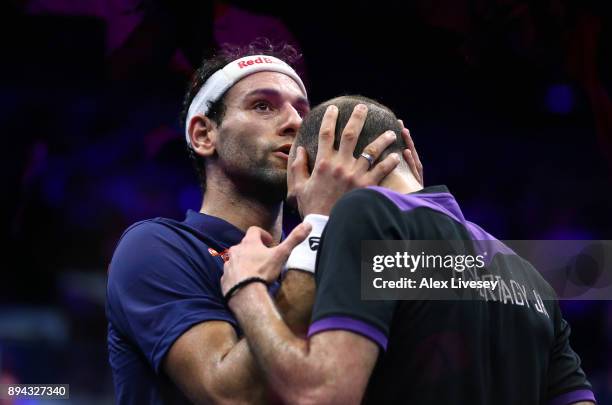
(369, 158)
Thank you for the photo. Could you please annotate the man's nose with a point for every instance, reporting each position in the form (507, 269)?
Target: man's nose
(291, 121)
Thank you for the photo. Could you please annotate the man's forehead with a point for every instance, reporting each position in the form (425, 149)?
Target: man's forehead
(267, 81)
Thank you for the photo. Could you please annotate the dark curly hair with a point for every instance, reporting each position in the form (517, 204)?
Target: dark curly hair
(216, 110)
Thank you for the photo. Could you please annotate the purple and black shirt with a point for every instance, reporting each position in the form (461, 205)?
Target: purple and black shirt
(442, 352)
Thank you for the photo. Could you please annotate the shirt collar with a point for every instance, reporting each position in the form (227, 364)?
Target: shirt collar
(440, 195)
(214, 227)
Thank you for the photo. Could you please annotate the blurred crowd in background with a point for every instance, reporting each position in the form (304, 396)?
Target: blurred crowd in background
(508, 102)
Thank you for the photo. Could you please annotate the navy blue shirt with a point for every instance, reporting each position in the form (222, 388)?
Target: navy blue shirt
(163, 279)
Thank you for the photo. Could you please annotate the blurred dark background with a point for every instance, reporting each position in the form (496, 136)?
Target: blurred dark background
(508, 102)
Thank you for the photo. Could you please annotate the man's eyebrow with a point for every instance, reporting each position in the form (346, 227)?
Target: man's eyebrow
(303, 101)
(275, 94)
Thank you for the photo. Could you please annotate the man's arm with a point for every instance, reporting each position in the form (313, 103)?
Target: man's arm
(330, 367)
(567, 382)
(333, 366)
(295, 299)
(209, 363)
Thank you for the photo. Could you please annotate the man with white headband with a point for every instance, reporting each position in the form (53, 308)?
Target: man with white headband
(172, 338)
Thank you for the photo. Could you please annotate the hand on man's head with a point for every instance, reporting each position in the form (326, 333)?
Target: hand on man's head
(336, 172)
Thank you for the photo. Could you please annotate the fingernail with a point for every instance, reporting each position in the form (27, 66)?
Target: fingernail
(401, 122)
(395, 156)
(391, 135)
(332, 108)
(361, 107)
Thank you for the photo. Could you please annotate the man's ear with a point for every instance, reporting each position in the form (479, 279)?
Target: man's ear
(203, 135)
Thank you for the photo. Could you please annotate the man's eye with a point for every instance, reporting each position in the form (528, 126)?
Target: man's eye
(262, 106)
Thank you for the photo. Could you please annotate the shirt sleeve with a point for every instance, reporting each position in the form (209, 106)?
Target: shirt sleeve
(156, 291)
(359, 215)
(567, 383)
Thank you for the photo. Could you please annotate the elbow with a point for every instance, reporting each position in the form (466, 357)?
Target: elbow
(306, 396)
(310, 384)
(312, 394)
(219, 392)
(236, 398)
(297, 385)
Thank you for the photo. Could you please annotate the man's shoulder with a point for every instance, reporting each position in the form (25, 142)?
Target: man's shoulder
(386, 202)
(363, 199)
(363, 212)
(150, 227)
(161, 231)
(157, 246)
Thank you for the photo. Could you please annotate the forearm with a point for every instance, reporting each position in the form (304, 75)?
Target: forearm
(295, 300)
(238, 377)
(211, 365)
(285, 358)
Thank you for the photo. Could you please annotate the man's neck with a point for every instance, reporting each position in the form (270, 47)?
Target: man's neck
(243, 211)
(401, 181)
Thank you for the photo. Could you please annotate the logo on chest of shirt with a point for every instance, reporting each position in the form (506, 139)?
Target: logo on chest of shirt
(224, 254)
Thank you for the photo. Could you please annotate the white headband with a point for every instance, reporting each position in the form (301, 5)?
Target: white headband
(223, 79)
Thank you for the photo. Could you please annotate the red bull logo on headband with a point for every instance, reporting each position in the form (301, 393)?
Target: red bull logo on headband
(250, 62)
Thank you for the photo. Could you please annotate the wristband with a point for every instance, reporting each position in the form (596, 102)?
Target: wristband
(232, 291)
(304, 256)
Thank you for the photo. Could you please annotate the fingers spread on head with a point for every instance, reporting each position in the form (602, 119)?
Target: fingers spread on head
(298, 171)
(409, 158)
(327, 132)
(382, 169)
(351, 131)
(414, 156)
(376, 148)
(410, 142)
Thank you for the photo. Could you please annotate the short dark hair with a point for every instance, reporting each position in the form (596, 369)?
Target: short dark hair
(380, 118)
(216, 110)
